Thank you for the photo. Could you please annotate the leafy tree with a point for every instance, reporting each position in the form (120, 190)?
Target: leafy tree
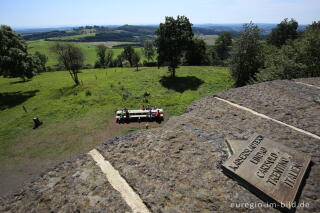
(246, 55)
(15, 61)
(42, 60)
(222, 45)
(135, 60)
(71, 57)
(148, 50)
(296, 59)
(128, 53)
(213, 57)
(196, 53)
(117, 62)
(284, 31)
(173, 38)
(108, 58)
(101, 53)
(309, 46)
(284, 63)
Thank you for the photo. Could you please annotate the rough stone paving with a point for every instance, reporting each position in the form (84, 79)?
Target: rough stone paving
(177, 168)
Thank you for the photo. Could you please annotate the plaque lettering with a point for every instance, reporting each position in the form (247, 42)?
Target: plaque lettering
(257, 158)
(292, 175)
(246, 152)
(264, 168)
(274, 169)
(278, 171)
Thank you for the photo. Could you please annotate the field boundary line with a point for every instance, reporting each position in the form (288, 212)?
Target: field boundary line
(119, 183)
(269, 118)
(309, 85)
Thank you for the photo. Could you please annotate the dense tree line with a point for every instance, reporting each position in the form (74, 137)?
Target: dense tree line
(128, 58)
(46, 35)
(287, 53)
(110, 36)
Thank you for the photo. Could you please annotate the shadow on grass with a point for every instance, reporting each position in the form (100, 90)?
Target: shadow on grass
(65, 91)
(19, 82)
(181, 84)
(11, 99)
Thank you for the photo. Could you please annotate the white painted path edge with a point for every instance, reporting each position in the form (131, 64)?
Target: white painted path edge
(309, 85)
(269, 118)
(119, 184)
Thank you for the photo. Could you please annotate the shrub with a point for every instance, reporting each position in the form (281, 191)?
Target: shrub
(88, 93)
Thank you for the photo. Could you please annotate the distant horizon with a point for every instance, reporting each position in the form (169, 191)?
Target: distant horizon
(106, 25)
(61, 13)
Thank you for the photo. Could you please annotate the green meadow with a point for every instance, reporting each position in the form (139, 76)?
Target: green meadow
(76, 119)
(88, 50)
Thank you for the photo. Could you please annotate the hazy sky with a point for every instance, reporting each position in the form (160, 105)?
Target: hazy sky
(29, 13)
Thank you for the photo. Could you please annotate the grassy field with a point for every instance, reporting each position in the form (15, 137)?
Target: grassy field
(89, 51)
(209, 39)
(109, 44)
(77, 118)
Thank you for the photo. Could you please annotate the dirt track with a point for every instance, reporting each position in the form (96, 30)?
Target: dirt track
(176, 168)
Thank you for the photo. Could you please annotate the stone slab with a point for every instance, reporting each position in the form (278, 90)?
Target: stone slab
(272, 168)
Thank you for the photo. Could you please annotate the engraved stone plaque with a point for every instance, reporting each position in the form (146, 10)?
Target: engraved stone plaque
(272, 168)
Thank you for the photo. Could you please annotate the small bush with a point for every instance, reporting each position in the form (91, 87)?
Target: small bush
(88, 93)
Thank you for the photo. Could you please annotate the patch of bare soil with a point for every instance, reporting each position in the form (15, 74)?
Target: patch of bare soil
(14, 175)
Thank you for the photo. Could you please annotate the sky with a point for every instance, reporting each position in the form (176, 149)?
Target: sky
(50, 13)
